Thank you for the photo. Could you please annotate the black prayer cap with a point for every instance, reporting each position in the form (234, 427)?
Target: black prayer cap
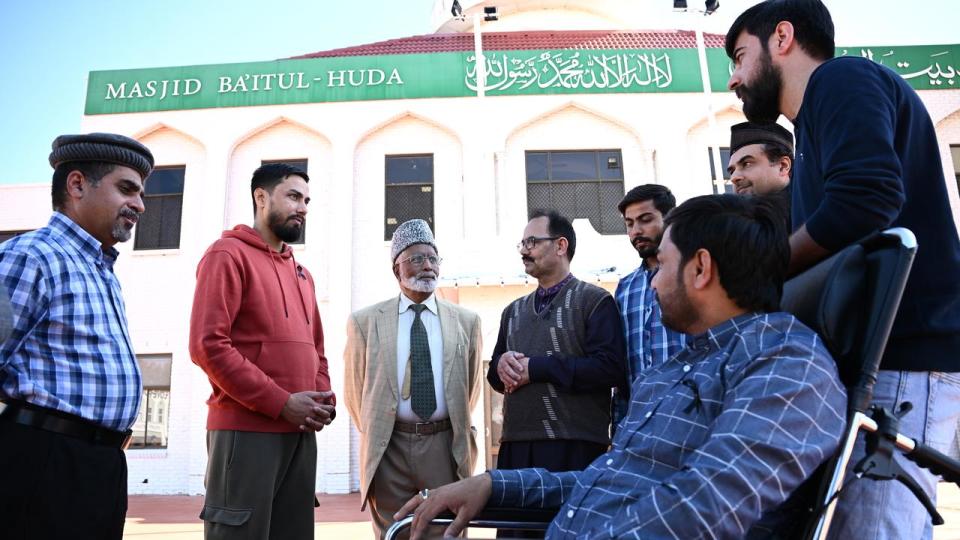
(102, 147)
(755, 133)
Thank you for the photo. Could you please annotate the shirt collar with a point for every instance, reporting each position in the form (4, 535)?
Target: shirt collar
(718, 336)
(555, 288)
(80, 239)
(430, 302)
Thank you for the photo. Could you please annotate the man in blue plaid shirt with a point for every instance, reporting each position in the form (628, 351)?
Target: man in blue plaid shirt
(719, 435)
(649, 342)
(69, 381)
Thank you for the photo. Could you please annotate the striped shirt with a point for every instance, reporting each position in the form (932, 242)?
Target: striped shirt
(649, 342)
(714, 438)
(70, 349)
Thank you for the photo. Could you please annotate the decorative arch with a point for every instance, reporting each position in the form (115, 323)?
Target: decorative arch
(400, 117)
(576, 107)
(159, 127)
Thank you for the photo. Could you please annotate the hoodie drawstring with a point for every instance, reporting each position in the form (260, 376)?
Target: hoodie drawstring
(279, 283)
(299, 274)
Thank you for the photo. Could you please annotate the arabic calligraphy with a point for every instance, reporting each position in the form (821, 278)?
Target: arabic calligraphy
(568, 69)
(935, 73)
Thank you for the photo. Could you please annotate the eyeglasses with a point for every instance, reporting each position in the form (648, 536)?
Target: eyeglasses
(530, 242)
(418, 260)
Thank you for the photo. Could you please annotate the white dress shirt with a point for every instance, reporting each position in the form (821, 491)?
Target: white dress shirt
(431, 321)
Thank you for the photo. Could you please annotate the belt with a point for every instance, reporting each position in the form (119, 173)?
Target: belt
(63, 423)
(423, 428)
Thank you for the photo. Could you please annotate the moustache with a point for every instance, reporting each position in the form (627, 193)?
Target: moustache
(524, 258)
(129, 214)
(426, 275)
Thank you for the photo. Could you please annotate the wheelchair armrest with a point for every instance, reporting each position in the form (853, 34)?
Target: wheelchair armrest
(532, 519)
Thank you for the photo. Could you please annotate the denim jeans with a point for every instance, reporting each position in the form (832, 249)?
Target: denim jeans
(869, 509)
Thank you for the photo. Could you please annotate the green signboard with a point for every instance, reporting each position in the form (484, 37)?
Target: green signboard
(454, 74)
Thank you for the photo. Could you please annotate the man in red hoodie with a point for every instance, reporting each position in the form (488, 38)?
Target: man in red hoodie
(255, 330)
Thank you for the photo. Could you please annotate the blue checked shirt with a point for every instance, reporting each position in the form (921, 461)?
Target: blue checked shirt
(714, 438)
(649, 342)
(70, 349)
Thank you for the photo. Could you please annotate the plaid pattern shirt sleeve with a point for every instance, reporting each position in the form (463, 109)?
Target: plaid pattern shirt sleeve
(649, 342)
(69, 349)
(718, 436)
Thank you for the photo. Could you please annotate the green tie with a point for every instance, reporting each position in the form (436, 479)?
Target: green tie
(423, 398)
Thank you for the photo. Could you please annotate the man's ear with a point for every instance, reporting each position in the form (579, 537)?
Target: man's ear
(562, 245)
(260, 196)
(396, 271)
(704, 269)
(782, 40)
(76, 185)
(786, 164)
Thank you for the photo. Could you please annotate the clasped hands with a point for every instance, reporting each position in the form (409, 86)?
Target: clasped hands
(514, 370)
(311, 411)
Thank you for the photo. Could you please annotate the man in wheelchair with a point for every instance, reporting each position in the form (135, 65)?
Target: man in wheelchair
(718, 436)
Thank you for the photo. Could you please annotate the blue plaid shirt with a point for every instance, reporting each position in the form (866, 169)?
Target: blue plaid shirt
(714, 438)
(649, 342)
(70, 349)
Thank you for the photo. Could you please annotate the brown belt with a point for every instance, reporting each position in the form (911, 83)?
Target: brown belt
(422, 428)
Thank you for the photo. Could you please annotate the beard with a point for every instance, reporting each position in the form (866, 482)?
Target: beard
(286, 228)
(421, 283)
(651, 249)
(121, 232)
(761, 98)
(677, 313)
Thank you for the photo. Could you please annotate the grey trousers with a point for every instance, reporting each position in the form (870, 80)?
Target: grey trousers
(260, 486)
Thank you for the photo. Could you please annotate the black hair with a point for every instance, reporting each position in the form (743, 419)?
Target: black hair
(557, 225)
(812, 25)
(747, 240)
(775, 151)
(663, 199)
(93, 171)
(271, 174)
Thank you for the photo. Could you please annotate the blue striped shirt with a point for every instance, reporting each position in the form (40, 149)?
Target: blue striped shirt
(70, 349)
(714, 438)
(649, 342)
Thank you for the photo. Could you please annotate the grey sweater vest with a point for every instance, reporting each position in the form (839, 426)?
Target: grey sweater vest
(540, 411)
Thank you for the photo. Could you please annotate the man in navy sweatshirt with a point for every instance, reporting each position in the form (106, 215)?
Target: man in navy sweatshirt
(867, 159)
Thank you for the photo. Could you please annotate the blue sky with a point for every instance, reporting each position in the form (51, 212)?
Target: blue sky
(47, 47)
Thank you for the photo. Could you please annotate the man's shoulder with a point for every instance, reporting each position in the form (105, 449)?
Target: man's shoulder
(40, 244)
(850, 71)
(374, 310)
(779, 329)
(459, 311)
(592, 291)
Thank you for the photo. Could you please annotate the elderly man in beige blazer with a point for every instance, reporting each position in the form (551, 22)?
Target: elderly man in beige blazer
(412, 368)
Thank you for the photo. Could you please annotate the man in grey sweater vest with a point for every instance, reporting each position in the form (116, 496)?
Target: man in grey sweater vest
(560, 351)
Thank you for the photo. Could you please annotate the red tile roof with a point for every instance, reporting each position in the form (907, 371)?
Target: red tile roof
(540, 39)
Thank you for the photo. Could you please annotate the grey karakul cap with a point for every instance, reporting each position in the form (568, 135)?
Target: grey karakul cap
(415, 231)
(746, 133)
(102, 147)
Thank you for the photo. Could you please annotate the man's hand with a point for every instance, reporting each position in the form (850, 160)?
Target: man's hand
(464, 498)
(308, 410)
(512, 369)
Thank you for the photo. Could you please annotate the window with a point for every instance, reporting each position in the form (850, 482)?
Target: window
(159, 226)
(954, 155)
(725, 186)
(578, 184)
(302, 165)
(409, 191)
(152, 425)
(6, 235)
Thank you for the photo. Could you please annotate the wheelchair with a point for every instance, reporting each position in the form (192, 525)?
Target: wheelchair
(850, 299)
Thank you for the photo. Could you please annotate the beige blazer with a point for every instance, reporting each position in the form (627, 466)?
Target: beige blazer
(370, 385)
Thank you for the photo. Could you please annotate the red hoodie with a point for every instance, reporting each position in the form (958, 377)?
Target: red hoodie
(255, 330)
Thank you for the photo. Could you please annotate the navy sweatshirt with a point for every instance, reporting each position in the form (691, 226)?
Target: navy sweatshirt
(867, 159)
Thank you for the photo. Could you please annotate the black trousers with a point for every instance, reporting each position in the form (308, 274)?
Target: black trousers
(56, 487)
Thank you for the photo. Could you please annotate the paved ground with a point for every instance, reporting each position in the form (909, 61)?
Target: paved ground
(339, 517)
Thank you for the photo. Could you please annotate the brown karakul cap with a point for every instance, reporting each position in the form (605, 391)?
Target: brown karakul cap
(754, 133)
(103, 147)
